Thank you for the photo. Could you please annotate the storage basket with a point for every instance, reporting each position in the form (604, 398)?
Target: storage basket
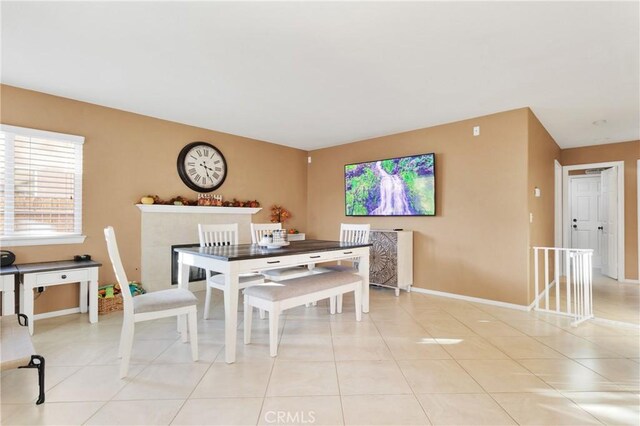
(111, 304)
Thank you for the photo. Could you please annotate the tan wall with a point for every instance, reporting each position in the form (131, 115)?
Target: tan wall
(542, 151)
(629, 152)
(476, 244)
(128, 155)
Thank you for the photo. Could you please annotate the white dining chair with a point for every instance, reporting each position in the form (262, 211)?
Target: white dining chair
(223, 235)
(258, 230)
(158, 304)
(350, 233)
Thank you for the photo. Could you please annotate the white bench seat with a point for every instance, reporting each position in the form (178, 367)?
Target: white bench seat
(276, 297)
(17, 349)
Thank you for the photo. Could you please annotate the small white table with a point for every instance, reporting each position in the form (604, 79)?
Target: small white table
(46, 274)
(7, 287)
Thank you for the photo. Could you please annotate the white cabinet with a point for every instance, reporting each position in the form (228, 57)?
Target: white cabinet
(391, 259)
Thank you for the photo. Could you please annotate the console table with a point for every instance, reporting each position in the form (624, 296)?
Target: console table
(7, 287)
(391, 262)
(44, 274)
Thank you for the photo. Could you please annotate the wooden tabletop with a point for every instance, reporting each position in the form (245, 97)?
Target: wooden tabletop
(26, 268)
(253, 251)
(8, 270)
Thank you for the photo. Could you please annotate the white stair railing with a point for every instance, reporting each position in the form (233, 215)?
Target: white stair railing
(570, 291)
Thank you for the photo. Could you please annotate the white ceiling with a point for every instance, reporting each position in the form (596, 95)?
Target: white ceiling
(311, 75)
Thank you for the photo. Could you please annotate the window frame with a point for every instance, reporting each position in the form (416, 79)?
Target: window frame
(77, 236)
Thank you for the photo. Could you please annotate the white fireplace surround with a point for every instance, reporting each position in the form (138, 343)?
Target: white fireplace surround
(165, 225)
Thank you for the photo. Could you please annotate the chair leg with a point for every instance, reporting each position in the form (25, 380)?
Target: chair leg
(184, 336)
(40, 366)
(358, 297)
(125, 323)
(207, 302)
(248, 321)
(274, 315)
(332, 305)
(127, 346)
(193, 334)
(339, 303)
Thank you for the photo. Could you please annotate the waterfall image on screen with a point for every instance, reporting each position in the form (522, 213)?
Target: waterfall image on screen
(403, 186)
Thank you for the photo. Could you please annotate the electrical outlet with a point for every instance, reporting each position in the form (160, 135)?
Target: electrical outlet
(309, 159)
(476, 130)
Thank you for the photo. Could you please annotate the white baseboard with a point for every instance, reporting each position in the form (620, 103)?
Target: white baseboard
(626, 281)
(56, 313)
(470, 299)
(605, 321)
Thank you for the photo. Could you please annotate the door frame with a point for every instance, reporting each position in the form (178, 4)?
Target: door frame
(566, 236)
(557, 202)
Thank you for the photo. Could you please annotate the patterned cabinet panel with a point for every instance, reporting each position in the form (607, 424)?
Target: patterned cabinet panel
(391, 261)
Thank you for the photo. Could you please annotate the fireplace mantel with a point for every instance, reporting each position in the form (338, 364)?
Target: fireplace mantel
(167, 208)
(162, 226)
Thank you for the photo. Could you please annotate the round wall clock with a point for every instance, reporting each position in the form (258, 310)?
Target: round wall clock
(202, 166)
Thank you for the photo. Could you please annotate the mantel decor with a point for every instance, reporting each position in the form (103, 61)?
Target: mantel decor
(168, 208)
(279, 214)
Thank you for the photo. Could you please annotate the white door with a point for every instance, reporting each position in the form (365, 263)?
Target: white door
(584, 215)
(608, 227)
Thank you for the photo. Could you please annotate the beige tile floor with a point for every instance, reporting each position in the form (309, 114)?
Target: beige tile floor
(414, 359)
(612, 300)
(616, 301)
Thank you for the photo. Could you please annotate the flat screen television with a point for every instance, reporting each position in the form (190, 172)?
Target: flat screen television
(402, 186)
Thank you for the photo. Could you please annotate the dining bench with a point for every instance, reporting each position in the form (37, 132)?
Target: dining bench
(17, 348)
(275, 297)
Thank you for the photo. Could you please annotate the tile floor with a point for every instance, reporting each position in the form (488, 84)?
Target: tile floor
(616, 301)
(414, 359)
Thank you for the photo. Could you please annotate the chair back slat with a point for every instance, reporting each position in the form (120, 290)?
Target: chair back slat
(121, 276)
(218, 234)
(259, 230)
(354, 233)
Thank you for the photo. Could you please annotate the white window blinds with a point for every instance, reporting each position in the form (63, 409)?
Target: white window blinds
(41, 190)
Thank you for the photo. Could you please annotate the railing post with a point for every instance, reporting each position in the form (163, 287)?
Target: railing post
(590, 272)
(546, 279)
(535, 274)
(579, 284)
(556, 276)
(567, 272)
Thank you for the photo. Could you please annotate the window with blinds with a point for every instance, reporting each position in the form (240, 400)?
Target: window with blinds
(41, 190)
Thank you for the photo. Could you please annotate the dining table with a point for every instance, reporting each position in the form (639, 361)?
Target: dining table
(234, 260)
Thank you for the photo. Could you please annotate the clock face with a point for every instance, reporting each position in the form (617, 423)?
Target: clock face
(202, 167)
